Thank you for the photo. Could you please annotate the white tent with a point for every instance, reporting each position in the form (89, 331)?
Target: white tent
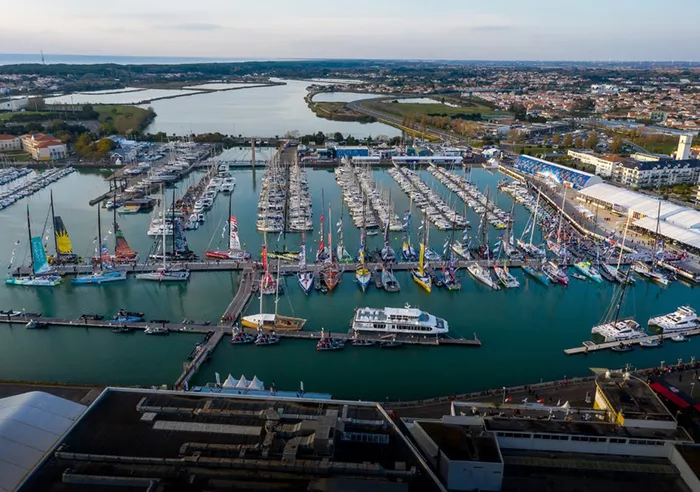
(242, 383)
(30, 425)
(256, 384)
(230, 382)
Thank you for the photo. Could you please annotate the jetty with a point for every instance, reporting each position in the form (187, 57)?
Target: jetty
(589, 346)
(243, 295)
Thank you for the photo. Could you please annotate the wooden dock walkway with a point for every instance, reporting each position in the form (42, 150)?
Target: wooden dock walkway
(589, 346)
(239, 302)
(203, 352)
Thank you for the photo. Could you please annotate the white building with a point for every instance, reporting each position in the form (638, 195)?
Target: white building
(652, 174)
(685, 142)
(14, 104)
(10, 142)
(604, 164)
(44, 147)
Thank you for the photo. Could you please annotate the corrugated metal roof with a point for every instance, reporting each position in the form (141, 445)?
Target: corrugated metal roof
(30, 424)
(690, 219)
(637, 202)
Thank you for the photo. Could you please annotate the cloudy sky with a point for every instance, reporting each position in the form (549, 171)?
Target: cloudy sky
(436, 29)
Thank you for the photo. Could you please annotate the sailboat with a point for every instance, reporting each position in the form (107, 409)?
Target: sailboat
(41, 271)
(407, 251)
(504, 276)
(165, 274)
(536, 272)
(389, 282)
(342, 254)
(614, 329)
(268, 284)
(614, 273)
(331, 274)
(61, 240)
(419, 275)
(557, 247)
(101, 276)
(449, 274)
(273, 322)
(476, 269)
(555, 274)
(388, 254)
(430, 254)
(323, 253)
(305, 279)
(647, 271)
(587, 269)
(508, 239)
(234, 251)
(122, 251)
(527, 247)
(362, 274)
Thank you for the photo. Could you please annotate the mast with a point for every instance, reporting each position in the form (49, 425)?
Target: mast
(534, 216)
(422, 253)
(561, 217)
(624, 237)
(658, 229)
(330, 235)
(53, 225)
(114, 218)
(162, 191)
(228, 221)
(29, 232)
(99, 237)
(277, 287)
(172, 221)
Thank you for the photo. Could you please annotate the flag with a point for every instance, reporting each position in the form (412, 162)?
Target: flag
(218, 378)
(541, 400)
(301, 387)
(187, 386)
(509, 399)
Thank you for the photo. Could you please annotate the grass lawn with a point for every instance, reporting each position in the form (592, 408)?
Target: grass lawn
(402, 109)
(123, 118)
(8, 116)
(17, 155)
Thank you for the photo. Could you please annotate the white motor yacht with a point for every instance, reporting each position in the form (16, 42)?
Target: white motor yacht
(406, 320)
(683, 318)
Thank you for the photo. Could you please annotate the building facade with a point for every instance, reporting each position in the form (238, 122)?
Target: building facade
(604, 164)
(13, 104)
(44, 147)
(664, 172)
(10, 142)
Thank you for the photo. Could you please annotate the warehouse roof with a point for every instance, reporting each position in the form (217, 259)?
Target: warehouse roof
(631, 200)
(688, 237)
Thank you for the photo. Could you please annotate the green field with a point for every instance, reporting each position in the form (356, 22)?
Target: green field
(122, 118)
(436, 109)
(9, 116)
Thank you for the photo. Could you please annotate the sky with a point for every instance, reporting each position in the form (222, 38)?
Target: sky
(618, 30)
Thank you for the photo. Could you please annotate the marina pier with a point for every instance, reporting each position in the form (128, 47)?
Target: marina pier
(589, 346)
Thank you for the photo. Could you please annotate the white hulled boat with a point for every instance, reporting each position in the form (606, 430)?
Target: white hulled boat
(482, 275)
(683, 318)
(619, 330)
(398, 320)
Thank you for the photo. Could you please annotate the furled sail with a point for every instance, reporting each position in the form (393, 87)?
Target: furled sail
(234, 242)
(179, 237)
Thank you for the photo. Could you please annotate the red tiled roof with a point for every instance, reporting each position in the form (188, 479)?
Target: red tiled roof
(7, 137)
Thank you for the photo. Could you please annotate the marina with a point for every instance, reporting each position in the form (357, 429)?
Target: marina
(214, 284)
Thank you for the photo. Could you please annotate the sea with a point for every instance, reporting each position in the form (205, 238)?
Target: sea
(523, 331)
(54, 58)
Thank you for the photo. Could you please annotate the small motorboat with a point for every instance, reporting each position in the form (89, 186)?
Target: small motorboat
(680, 338)
(122, 329)
(390, 344)
(10, 313)
(267, 339)
(157, 330)
(622, 348)
(326, 344)
(91, 317)
(363, 342)
(36, 325)
(650, 343)
(578, 276)
(241, 338)
(161, 321)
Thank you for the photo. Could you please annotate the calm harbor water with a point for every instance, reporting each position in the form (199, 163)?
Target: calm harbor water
(523, 332)
(261, 111)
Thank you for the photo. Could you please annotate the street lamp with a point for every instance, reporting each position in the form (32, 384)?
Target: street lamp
(504, 394)
(692, 388)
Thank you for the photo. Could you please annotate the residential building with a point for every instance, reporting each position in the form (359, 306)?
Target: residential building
(652, 174)
(44, 147)
(604, 164)
(10, 142)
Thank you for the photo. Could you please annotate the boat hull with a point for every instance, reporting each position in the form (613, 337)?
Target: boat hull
(99, 278)
(422, 279)
(34, 281)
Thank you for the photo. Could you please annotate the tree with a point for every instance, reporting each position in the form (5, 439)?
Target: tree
(578, 142)
(338, 137)
(616, 145)
(568, 140)
(556, 139)
(105, 145)
(591, 140)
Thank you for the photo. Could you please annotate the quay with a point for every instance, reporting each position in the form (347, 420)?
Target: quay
(233, 266)
(243, 296)
(589, 346)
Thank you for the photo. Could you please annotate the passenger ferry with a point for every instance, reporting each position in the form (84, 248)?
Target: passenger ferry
(683, 318)
(398, 320)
